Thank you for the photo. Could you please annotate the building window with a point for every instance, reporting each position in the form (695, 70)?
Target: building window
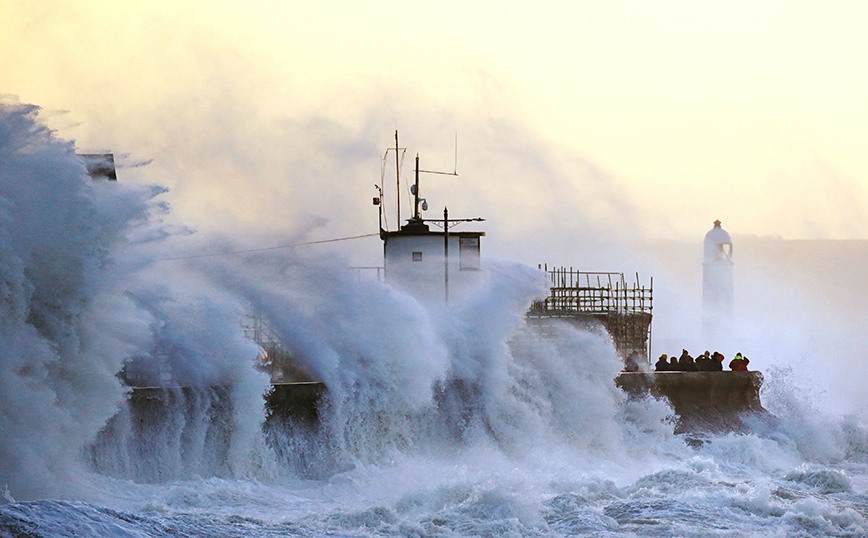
(417, 256)
(468, 253)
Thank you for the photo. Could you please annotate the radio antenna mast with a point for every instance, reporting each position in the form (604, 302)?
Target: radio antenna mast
(398, 173)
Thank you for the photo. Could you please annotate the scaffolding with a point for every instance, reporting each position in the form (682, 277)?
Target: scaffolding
(592, 300)
(273, 356)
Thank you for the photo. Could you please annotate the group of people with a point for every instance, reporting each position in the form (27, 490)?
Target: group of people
(707, 362)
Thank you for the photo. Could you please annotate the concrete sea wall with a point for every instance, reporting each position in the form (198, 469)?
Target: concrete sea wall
(703, 401)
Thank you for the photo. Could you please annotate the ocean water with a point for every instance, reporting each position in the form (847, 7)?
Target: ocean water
(438, 422)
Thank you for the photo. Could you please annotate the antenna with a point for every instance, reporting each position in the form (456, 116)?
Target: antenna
(417, 201)
(398, 172)
(416, 191)
(399, 159)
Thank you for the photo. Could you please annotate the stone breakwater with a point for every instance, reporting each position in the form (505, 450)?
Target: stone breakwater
(703, 401)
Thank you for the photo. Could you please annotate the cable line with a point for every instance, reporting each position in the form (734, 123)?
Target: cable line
(265, 249)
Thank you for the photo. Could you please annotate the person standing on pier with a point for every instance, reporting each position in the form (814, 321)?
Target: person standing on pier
(738, 364)
(685, 362)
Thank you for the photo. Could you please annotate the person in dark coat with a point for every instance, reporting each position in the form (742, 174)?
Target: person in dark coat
(685, 362)
(662, 365)
(716, 364)
(703, 362)
(673, 364)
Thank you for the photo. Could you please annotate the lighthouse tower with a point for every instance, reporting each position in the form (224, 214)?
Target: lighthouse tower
(717, 285)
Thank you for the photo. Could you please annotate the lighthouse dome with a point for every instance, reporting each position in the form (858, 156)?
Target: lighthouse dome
(718, 244)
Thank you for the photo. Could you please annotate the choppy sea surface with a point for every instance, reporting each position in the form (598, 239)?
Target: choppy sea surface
(439, 421)
(756, 485)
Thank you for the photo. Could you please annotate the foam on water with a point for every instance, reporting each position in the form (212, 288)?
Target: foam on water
(440, 421)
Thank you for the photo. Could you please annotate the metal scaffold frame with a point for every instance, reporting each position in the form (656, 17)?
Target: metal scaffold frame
(273, 357)
(584, 298)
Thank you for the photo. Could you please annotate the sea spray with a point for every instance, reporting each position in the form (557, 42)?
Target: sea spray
(60, 347)
(200, 397)
(83, 294)
(407, 377)
(804, 428)
(375, 349)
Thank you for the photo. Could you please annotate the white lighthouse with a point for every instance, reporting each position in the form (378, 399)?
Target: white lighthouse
(717, 284)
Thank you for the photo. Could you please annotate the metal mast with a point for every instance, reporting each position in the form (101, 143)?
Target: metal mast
(398, 173)
(416, 192)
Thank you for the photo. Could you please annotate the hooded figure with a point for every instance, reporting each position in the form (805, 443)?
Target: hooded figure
(685, 362)
(703, 362)
(738, 364)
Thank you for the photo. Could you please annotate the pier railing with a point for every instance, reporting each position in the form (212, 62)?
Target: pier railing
(369, 273)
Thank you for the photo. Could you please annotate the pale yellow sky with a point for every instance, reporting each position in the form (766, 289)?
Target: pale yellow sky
(573, 117)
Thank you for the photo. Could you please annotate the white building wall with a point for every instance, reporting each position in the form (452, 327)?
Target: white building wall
(415, 263)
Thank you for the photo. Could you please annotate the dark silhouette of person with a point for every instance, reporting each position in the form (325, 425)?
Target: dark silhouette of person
(685, 362)
(703, 362)
(662, 365)
(633, 363)
(737, 364)
(673, 364)
(716, 363)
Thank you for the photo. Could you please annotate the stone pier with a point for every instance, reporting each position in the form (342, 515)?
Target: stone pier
(703, 401)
